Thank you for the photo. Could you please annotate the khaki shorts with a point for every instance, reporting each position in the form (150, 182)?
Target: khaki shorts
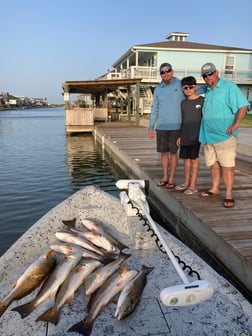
(223, 152)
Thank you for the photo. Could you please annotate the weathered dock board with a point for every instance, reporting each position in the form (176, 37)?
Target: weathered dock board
(223, 236)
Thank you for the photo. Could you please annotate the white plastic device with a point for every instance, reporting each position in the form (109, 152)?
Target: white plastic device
(189, 293)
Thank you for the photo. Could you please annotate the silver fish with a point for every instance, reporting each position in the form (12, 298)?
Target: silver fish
(97, 278)
(131, 293)
(92, 226)
(75, 249)
(51, 285)
(31, 279)
(75, 238)
(97, 239)
(102, 297)
(67, 290)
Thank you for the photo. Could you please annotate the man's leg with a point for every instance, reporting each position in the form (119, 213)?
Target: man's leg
(228, 178)
(216, 173)
(165, 164)
(173, 167)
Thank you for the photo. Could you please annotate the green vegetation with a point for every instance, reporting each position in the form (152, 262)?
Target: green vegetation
(247, 121)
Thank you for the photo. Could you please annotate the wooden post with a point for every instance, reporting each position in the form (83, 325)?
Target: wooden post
(66, 97)
(137, 105)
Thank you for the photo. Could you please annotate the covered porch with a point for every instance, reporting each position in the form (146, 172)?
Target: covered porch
(82, 119)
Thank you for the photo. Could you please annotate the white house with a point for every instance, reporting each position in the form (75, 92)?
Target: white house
(143, 61)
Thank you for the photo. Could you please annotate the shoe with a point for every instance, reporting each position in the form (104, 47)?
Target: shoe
(181, 187)
(162, 183)
(191, 191)
(231, 202)
(208, 193)
(170, 186)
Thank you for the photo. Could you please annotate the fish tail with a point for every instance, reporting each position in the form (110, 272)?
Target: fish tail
(3, 307)
(82, 327)
(121, 246)
(147, 269)
(50, 315)
(108, 258)
(24, 310)
(70, 223)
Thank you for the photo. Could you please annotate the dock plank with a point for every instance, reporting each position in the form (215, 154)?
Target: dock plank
(205, 218)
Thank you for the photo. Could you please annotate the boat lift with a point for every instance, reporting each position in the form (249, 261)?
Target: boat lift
(188, 293)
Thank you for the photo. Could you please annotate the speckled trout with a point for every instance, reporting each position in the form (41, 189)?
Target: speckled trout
(131, 294)
(51, 285)
(30, 280)
(95, 227)
(67, 290)
(97, 278)
(102, 297)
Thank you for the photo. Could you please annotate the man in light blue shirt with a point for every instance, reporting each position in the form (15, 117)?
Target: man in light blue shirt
(224, 108)
(165, 120)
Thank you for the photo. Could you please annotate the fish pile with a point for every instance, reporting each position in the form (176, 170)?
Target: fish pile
(93, 258)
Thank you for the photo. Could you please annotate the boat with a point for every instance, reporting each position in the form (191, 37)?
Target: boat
(183, 294)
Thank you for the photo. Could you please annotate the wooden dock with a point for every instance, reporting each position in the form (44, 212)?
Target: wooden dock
(223, 237)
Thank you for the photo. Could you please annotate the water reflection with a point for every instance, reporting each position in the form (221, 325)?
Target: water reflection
(87, 164)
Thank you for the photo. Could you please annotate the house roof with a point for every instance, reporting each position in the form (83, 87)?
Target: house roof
(97, 87)
(188, 45)
(179, 45)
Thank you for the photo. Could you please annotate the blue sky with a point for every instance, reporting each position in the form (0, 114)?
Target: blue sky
(47, 42)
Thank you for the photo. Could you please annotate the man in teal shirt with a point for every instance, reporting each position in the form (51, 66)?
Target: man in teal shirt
(224, 108)
(165, 120)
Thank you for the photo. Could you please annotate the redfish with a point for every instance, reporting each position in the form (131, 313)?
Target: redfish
(50, 286)
(67, 290)
(31, 279)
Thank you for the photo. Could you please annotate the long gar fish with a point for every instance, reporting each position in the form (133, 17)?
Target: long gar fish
(50, 286)
(30, 280)
(102, 297)
(75, 238)
(74, 249)
(97, 278)
(67, 290)
(131, 294)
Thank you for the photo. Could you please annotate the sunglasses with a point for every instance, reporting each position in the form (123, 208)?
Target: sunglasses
(209, 74)
(189, 87)
(162, 72)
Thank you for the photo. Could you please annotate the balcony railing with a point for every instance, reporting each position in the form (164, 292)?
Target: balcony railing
(151, 74)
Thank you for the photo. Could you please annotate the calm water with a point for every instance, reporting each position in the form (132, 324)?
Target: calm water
(40, 166)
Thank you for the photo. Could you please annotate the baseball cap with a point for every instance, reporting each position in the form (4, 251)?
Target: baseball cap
(165, 65)
(207, 67)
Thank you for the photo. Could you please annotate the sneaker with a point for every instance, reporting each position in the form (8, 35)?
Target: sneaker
(191, 191)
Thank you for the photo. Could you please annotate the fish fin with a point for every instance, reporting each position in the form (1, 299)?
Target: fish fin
(70, 223)
(50, 315)
(24, 310)
(82, 327)
(70, 298)
(124, 268)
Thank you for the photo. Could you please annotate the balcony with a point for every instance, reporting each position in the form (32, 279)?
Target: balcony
(151, 74)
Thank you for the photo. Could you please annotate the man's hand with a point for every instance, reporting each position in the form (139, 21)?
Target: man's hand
(151, 134)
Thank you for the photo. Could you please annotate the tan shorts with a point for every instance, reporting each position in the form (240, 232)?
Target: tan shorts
(223, 152)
